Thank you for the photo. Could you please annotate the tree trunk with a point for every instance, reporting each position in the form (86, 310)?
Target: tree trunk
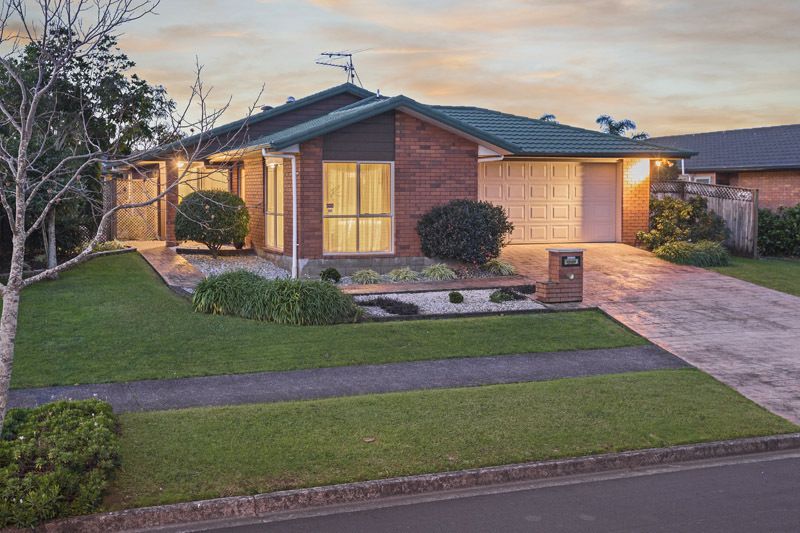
(8, 331)
(50, 224)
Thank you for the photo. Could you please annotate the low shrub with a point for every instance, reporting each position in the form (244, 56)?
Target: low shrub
(464, 230)
(674, 220)
(395, 307)
(439, 272)
(779, 231)
(108, 246)
(504, 295)
(366, 277)
(498, 267)
(330, 274)
(701, 254)
(526, 289)
(283, 301)
(213, 218)
(455, 297)
(403, 274)
(56, 460)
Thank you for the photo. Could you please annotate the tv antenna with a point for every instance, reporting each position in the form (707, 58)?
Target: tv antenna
(342, 60)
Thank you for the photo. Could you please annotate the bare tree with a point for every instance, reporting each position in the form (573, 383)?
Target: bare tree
(34, 131)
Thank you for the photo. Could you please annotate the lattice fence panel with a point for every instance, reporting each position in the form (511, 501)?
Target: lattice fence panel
(138, 223)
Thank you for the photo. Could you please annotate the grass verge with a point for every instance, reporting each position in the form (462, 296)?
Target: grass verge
(779, 274)
(172, 456)
(112, 319)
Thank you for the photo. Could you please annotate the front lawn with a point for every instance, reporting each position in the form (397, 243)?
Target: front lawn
(190, 454)
(112, 319)
(779, 274)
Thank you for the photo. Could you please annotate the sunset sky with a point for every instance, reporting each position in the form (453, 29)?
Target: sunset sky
(673, 66)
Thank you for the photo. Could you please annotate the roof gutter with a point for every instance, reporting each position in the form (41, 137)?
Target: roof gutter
(293, 159)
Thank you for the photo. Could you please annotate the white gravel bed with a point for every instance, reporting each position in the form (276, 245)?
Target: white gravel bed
(252, 263)
(438, 303)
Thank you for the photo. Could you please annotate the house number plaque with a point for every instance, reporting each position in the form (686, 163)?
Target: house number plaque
(571, 261)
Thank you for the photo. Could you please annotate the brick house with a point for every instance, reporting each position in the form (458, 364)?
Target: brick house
(359, 169)
(767, 159)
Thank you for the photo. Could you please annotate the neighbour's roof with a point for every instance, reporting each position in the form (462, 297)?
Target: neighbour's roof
(514, 135)
(773, 147)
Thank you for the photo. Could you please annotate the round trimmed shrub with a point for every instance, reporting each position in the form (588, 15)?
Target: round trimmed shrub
(465, 230)
(330, 274)
(455, 297)
(701, 254)
(213, 218)
(283, 301)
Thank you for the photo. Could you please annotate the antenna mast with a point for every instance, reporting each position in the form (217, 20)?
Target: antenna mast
(342, 60)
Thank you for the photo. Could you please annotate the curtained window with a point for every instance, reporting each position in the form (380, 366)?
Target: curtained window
(273, 206)
(357, 207)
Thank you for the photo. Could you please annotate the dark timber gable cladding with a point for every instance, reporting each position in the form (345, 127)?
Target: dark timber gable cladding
(371, 139)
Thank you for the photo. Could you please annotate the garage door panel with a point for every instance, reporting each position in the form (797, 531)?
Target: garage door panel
(538, 192)
(559, 191)
(554, 201)
(493, 192)
(537, 212)
(516, 213)
(516, 192)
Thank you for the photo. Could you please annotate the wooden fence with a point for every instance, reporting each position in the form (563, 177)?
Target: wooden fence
(736, 205)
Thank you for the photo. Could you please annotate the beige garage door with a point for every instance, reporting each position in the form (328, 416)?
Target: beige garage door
(554, 201)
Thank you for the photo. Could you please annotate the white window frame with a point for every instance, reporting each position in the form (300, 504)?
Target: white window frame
(358, 204)
(704, 179)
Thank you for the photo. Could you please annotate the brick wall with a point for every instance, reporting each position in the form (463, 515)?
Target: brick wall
(252, 174)
(309, 200)
(635, 198)
(776, 188)
(432, 166)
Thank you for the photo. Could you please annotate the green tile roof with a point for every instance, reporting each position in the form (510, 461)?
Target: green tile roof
(514, 134)
(511, 134)
(541, 138)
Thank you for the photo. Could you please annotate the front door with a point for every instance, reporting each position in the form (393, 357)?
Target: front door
(273, 206)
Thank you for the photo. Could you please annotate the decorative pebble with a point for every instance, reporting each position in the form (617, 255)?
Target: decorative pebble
(438, 303)
(252, 263)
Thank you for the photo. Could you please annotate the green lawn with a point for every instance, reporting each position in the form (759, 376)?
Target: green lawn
(172, 456)
(112, 319)
(779, 274)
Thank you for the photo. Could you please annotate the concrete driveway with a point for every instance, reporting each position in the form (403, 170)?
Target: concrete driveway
(744, 335)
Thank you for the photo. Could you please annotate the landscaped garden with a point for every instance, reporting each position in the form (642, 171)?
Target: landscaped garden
(112, 319)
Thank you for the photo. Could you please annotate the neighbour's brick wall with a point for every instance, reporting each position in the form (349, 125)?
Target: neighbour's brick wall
(776, 188)
(635, 198)
(253, 173)
(432, 167)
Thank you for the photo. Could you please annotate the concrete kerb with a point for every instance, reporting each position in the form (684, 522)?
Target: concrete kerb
(243, 507)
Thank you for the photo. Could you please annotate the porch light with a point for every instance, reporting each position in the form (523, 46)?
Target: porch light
(180, 164)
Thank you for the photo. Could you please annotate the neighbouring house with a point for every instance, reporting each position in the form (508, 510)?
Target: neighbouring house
(767, 159)
(366, 167)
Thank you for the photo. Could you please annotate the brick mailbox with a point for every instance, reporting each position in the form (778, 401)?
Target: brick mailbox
(564, 277)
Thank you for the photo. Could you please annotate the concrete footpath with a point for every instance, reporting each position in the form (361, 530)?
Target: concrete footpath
(264, 387)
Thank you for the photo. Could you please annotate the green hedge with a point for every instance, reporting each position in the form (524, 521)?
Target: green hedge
(56, 460)
(213, 218)
(673, 220)
(702, 254)
(779, 231)
(464, 230)
(284, 301)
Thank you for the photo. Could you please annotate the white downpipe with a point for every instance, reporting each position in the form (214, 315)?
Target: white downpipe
(683, 168)
(295, 244)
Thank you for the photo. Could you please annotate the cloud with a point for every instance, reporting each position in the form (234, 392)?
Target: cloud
(671, 65)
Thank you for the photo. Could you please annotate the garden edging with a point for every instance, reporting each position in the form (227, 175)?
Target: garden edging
(238, 507)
